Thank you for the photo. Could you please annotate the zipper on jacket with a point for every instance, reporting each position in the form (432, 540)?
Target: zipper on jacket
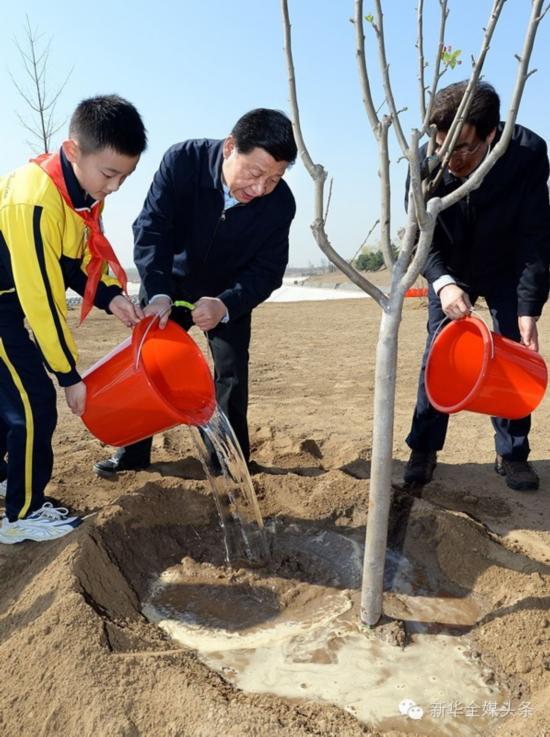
(220, 220)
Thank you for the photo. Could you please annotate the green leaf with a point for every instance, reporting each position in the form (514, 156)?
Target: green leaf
(451, 58)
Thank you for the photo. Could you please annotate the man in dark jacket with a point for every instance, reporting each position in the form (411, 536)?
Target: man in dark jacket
(214, 232)
(494, 243)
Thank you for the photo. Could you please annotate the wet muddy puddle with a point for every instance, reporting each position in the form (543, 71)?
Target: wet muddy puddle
(291, 628)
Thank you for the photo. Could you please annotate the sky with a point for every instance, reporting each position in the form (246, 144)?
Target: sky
(193, 68)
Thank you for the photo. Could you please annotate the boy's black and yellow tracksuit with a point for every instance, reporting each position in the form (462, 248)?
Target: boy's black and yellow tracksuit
(43, 251)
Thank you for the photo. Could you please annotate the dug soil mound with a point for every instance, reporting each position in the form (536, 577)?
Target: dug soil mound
(79, 658)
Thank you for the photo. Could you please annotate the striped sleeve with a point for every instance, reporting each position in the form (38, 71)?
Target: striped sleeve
(34, 240)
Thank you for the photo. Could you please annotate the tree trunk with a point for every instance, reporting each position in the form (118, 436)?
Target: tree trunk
(381, 465)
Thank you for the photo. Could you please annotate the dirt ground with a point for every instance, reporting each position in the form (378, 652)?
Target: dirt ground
(77, 657)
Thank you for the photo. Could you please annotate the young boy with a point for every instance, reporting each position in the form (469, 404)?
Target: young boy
(51, 239)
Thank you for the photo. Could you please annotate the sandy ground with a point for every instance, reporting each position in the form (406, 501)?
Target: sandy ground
(77, 658)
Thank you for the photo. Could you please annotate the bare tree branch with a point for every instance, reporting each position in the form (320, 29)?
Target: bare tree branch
(364, 241)
(385, 193)
(437, 74)
(386, 83)
(408, 246)
(21, 92)
(380, 130)
(318, 174)
(364, 81)
(328, 200)
(475, 180)
(421, 59)
(451, 138)
(29, 128)
(35, 65)
(416, 178)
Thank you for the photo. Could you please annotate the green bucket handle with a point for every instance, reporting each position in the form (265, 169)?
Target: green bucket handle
(183, 303)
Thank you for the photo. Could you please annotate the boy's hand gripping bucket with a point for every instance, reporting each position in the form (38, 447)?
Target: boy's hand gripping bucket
(470, 367)
(154, 380)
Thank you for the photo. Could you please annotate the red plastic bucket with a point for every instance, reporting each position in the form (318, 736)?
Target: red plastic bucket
(416, 292)
(470, 367)
(154, 380)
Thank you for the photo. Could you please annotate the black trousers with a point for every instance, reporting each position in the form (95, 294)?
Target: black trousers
(429, 426)
(3, 451)
(229, 344)
(28, 417)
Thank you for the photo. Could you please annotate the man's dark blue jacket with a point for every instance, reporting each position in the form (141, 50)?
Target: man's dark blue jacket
(498, 237)
(186, 246)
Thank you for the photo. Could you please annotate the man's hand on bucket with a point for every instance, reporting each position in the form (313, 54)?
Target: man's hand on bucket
(455, 303)
(160, 305)
(208, 312)
(528, 332)
(128, 313)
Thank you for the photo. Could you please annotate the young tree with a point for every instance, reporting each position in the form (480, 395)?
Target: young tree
(422, 214)
(35, 57)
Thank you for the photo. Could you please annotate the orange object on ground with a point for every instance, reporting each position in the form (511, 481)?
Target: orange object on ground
(416, 292)
(470, 367)
(154, 380)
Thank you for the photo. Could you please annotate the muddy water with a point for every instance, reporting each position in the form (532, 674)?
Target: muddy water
(292, 629)
(234, 495)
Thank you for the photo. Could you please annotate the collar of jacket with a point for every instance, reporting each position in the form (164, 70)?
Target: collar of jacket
(79, 198)
(211, 176)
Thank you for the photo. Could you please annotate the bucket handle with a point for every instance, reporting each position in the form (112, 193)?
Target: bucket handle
(478, 316)
(178, 303)
(440, 324)
(142, 341)
(146, 332)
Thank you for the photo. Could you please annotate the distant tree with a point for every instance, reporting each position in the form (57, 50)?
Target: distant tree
(369, 261)
(372, 260)
(34, 90)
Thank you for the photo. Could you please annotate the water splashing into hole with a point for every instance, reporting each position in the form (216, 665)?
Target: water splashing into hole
(234, 495)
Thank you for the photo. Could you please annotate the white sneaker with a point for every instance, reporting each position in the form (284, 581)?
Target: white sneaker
(3, 489)
(46, 523)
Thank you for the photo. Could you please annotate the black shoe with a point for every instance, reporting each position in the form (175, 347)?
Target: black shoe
(519, 474)
(420, 467)
(111, 466)
(254, 468)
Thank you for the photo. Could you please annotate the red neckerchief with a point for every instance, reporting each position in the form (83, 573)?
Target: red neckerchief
(100, 249)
